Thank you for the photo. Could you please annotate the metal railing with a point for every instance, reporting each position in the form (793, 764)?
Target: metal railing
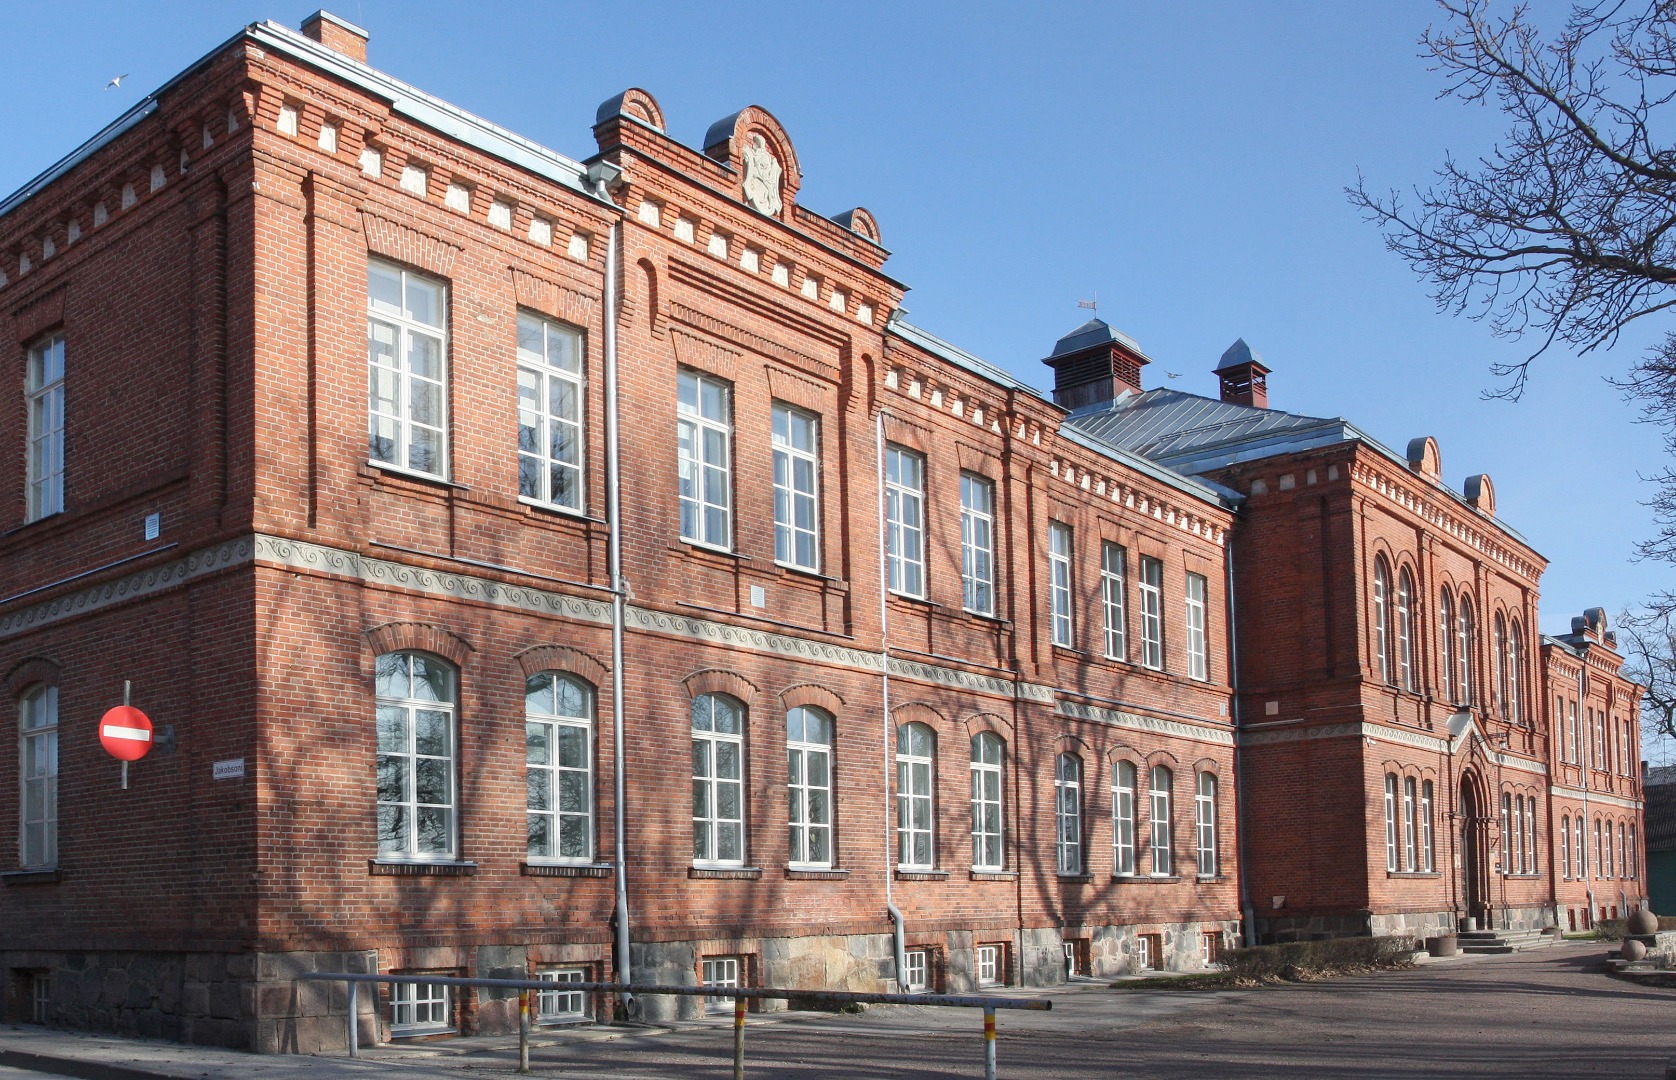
(739, 994)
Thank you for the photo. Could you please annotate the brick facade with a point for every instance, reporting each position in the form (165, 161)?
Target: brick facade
(208, 268)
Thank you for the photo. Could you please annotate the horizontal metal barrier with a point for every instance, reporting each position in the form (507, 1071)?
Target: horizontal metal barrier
(739, 994)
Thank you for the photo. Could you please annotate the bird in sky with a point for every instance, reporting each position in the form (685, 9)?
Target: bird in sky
(116, 82)
(1173, 374)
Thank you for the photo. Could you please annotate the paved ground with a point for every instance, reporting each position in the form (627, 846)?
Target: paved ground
(1541, 1014)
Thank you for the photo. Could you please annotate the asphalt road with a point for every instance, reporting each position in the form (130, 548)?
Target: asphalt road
(1541, 1014)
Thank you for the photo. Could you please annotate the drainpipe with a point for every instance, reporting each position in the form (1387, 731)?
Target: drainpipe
(1248, 913)
(601, 174)
(899, 924)
(1590, 868)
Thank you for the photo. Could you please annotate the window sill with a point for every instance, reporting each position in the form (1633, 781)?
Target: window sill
(417, 868)
(725, 873)
(926, 874)
(1531, 877)
(541, 869)
(1213, 879)
(917, 601)
(815, 873)
(421, 1033)
(563, 512)
(1147, 879)
(379, 470)
(49, 876)
(1072, 651)
(988, 616)
(695, 547)
(993, 875)
(1415, 874)
(1076, 879)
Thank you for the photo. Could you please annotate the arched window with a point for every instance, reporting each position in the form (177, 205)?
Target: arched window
(986, 802)
(1610, 866)
(1428, 845)
(416, 695)
(1580, 845)
(558, 741)
(1467, 646)
(1382, 619)
(1123, 819)
(1405, 631)
(1391, 821)
(1163, 861)
(1204, 820)
(1600, 855)
(1411, 833)
(38, 778)
(1067, 788)
(1623, 851)
(809, 786)
(1565, 845)
(1531, 860)
(718, 780)
(1634, 855)
(915, 747)
(1446, 646)
(1510, 831)
(1515, 671)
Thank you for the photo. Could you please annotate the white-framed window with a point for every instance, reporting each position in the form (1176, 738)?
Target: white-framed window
(916, 971)
(1204, 820)
(1576, 732)
(905, 520)
(1565, 846)
(550, 396)
(1580, 837)
(1411, 834)
(1067, 789)
(1382, 620)
(1210, 947)
(1059, 583)
(809, 786)
(987, 961)
(557, 1006)
(1198, 649)
(1405, 630)
(1467, 643)
(1391, 821)
(407, 370)
(1515, 671)
(1163, 855)
(1446, 646)
(977, 543)
(1600, 855)
(38, 778)
(987, 755)
(719, 971)
(40, 997)
(44, 402)
(1123, 819)
(1532, 860)
(1499, 659)
(796, 502)
(915, 747)
(1428, 843)
(1114, 572)
(1151, 587)
(718, 780)
(420, 1009)
(1511, 831)
(558, 740)
(1143, 952)
(704, 434)
(1634, 855)
(416, 807)
(1609, 865)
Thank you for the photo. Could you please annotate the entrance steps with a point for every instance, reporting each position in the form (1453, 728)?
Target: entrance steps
(1505, 941)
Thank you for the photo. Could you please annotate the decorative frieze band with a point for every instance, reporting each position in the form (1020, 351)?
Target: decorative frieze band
(1155, 724)
(1562, 791)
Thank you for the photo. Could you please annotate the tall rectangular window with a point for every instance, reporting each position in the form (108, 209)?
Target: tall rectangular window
(796, 506)
(1059, 582)
(549, 413)
(809, 786)
(1390, 821)
(1123, 820)
(905, 520)
(44, 401)
(558, 742)
(1067, 787)
(915, 746)
(38, 777)
(1204, 817)
(1411, 834)
(986, 802)
(1152, 613)
(415, 701)
(977, 543)
(1428, 844)
(1114, 569)
(407, 370)
(1198, 652)
(718, 780)
(1163, 862)
(704, 434)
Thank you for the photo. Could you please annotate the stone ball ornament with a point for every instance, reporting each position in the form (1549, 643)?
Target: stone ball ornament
(1643, 922)
(1633, 950)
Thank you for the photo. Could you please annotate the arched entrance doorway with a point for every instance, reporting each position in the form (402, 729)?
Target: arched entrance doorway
(1474, 888)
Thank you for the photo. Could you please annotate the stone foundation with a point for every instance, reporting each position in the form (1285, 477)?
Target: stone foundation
(1414, 924)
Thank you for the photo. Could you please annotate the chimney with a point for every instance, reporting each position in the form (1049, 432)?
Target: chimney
(1244, 377)
(1094, 365)
(339, 35)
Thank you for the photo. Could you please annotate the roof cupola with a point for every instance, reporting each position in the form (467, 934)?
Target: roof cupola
(1095, 365)
(1244, 377)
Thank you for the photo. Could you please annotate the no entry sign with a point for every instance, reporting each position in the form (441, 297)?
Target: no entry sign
(125, 733)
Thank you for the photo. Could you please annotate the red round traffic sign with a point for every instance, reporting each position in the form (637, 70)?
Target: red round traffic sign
(125, 733)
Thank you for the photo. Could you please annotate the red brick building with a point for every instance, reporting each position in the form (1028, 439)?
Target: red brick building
(580, 568)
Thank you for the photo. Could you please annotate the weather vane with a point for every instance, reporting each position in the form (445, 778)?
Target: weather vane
(1091, 305)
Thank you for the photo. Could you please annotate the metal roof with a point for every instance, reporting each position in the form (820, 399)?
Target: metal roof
(404, 100)
(1194, 434)
(1091, 333)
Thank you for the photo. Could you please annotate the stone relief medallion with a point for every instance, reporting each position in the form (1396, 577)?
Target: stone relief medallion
(762, 177)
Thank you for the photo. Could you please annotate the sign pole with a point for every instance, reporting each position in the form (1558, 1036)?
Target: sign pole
(127, 699)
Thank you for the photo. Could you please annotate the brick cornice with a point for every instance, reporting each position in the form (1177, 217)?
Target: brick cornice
(1440, 513)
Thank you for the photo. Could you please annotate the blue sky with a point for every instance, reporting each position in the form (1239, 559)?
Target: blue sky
(1184, 164)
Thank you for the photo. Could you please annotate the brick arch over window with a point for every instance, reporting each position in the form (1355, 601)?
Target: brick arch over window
(34, 671)
(978, 723)
(1068, 743)
(716, 681)
(1162, 757)
(419, 637)
(1124, 752)
(910, 712)
(541, 658)
(1208, 765)
(809, 695)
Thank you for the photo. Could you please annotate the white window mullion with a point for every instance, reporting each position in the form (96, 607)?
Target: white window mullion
(550, 397)
(977, 543)
(38, 779)
(1123, 820)
(1198, 655)
(916, 848)
(44, 403)
(986, 802)
(796, 505)
(407, 370)
(905, 521)
(558, 746)
(718, 781)
(1113, 573)
(1059, 583)
(1151, 587)
(809, 780)
(704, 426)
(1067, 785)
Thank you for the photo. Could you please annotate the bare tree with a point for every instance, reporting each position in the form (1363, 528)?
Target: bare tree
(1567, 230)
(1647, 641)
